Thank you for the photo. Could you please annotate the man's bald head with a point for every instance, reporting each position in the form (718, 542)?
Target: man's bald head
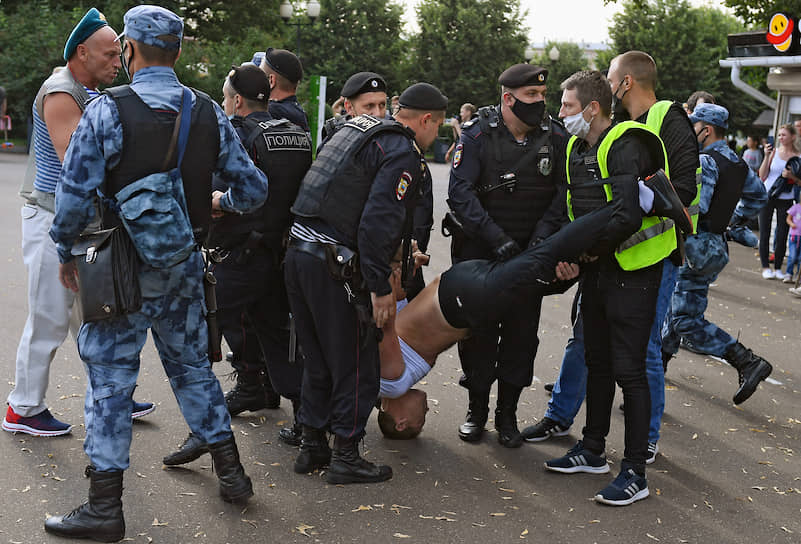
(99, 56)
(637, 64)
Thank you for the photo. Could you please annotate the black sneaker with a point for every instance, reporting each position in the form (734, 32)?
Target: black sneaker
(627, 488)
(579, 459)
(544, 430)
(653, 449)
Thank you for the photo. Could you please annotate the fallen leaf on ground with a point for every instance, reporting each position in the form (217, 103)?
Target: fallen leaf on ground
(497, 514)
(401, 535)
(362, 507)
(157, 523)
(302, 528)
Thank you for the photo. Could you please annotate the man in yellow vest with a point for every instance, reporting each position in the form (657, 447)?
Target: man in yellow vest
(620, 287)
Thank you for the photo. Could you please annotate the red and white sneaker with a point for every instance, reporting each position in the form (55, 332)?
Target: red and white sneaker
(42, 424)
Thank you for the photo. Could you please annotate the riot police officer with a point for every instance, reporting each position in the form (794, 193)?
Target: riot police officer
(507, 189)
(253, 311)
(285, 72)
(363, 93)
(353, 210)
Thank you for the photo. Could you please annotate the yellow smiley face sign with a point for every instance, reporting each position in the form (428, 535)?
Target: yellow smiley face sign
(780, 32)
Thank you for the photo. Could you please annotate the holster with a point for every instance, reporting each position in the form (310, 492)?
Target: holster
(453, 228)
(215, 339)
(252, 244)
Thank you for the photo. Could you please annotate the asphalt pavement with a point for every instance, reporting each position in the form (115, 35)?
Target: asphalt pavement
(725, 474)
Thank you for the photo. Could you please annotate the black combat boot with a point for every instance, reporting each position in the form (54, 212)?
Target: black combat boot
(314, 451)
(292, 435)
(247, 394)
(506, 415)
(272, 400)
(751, 370)
(348, 467)
(235, 485)
(667, 203)
(477, 414)
(192, 448)
(100, 518)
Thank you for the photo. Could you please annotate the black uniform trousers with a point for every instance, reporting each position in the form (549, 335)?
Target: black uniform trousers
(253, 317)
(341, 364)
(503, 351)
(618, 309)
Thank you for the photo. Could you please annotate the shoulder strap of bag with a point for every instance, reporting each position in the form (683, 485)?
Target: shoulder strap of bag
(180, 132)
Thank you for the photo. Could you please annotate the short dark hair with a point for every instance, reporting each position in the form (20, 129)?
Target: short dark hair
(157, 55)
(699, 95)
(387, 425)
(590, 85)
(640, 66)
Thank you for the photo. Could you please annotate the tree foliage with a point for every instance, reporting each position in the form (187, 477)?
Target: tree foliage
(758, 13)
(686, 42)
(571, 60)
(464, 45)
(355, 36)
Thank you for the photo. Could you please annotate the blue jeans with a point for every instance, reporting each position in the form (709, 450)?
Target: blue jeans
(794, 256)
(110, 350)
(570, 388)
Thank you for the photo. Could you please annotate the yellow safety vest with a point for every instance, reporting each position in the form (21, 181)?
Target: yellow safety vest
(656, 115)
(656, 238)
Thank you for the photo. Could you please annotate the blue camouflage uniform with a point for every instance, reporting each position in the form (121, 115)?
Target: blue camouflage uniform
(707, 254)
(173, 302)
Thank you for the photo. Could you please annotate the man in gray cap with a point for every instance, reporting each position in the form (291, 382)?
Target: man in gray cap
(121, 139)
(506, 188)
(92, 55)
(285, 72)
(353, 210)
(731, 193)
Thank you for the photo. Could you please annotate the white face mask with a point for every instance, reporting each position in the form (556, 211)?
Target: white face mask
(576, 125)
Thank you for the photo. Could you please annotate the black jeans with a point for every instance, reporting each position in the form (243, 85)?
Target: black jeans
(780, 206)
(618, 309)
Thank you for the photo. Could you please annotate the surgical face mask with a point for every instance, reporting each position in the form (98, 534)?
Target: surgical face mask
(530, 113)
(576, 125)
(618, 110)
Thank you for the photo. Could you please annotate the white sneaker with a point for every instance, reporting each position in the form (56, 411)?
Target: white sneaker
(767, 274)
(795, 291)
(787, 278)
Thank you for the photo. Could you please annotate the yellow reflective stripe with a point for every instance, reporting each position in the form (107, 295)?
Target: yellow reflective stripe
(656, 115)
(646, 234)
(570, 143)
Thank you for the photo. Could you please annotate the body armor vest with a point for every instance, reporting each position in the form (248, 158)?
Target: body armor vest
(515, 183)
(336, 187)
(729, 188)
(656, 238)
(282, 151)
(146, 135)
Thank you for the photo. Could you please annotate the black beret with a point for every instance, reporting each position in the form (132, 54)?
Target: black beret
(363, 82)
(521, 75)
(423, 96)
(250, 81)
(285, 63)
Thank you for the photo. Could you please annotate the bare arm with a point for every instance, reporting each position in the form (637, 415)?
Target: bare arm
(764, 168)
(61, 115)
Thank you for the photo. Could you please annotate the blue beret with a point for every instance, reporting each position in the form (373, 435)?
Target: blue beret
(711, 114)
(154, 25)
(88, 25)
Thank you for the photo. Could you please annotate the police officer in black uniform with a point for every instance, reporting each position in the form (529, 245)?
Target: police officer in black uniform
(285, 72)
(253, 311)
(507, 190)
(366, 93)
(353, 210)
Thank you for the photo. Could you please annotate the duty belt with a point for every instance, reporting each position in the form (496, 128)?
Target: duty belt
(317, 249)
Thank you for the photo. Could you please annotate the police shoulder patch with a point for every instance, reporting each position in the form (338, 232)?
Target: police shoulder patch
(403, 185)
(457, 155)
(363, 122)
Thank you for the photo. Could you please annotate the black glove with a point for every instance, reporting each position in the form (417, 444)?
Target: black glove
(507, 249)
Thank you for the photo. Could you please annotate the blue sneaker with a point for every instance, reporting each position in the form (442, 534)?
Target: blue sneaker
(627, 488)
(42, 424)
(141, 409)
(579, 459)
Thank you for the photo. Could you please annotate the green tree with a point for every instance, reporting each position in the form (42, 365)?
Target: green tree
(571, 60)
(354, 36)
(464, 45)
(758, 13)
(686, 42)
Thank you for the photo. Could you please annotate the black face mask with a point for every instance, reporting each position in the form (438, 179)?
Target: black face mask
(618, 110)
(530, 113)
(126, 63)
(697, 134)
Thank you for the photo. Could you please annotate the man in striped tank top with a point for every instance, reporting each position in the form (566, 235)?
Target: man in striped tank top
(92, 53)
